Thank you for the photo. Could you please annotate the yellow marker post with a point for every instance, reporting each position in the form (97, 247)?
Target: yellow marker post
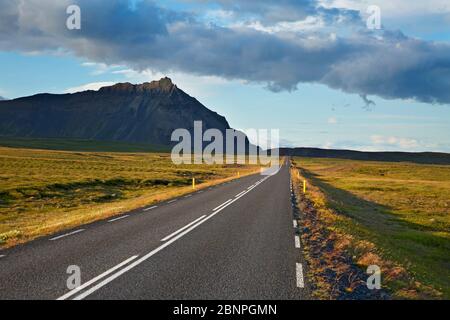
(193, 183)
(304, 186)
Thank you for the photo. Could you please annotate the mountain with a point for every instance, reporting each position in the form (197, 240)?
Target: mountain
(416, 157)
(143, 113)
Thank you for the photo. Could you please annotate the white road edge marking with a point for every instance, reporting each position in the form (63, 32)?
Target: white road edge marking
(150, 254)
(295, 223)
(67, 234)
(151, 208)
(182, 229)
(104, 274)
(299, 271)
(171, 201)
(119, 218)
(218, 207)
(297, 242)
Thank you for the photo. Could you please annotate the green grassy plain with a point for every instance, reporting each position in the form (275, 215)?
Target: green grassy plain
(42, 191)
(79, 145)
(402, 208)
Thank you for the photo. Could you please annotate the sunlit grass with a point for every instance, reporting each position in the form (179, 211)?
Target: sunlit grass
(403, 208)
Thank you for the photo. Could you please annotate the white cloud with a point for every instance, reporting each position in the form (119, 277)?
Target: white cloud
(397, 8)
(332, 120)
(392, 141)
(99, 68)
(309, 23)
(89, 86)
(328, 145)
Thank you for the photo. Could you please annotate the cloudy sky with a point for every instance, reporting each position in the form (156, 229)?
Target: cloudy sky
(311, 68)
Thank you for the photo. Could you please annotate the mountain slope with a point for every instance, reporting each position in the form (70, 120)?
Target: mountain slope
(145, 113)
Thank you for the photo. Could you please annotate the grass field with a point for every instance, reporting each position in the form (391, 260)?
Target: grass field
(79, 145)
(42, 191)
(402, 209)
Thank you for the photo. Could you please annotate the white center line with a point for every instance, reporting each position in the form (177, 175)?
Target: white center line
(151, 208)
(182, 229)
(295, 223)
(299, 271)
(241, 193)
(104, 274)
(67, 234)
(297, 242)
(226, 202)
(119, 218)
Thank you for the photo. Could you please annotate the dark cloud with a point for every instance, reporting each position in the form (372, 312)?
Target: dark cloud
(388, 64)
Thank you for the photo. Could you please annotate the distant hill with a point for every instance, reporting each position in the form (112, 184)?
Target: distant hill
(145, 113)
(1, 98)
(422, 157)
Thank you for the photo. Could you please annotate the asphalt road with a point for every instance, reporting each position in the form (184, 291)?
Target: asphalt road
(233, 241)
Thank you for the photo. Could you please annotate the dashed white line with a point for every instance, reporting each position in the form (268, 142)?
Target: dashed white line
(299, 272)
(2, 256)
(297, 242)
(151, 208)
(295, 223)
(104, 274)
(172, 201)
(182, 229)
(188, 196)
(200, 191)
(226, 202)
(119, 218)
(67, 234)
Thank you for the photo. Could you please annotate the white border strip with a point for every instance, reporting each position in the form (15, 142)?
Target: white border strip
(67, 234)
(299, 272)
(119, 218)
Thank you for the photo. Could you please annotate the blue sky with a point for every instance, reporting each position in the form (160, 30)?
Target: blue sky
(314, 99)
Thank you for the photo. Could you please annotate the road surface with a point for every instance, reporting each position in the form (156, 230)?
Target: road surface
(233, 241)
